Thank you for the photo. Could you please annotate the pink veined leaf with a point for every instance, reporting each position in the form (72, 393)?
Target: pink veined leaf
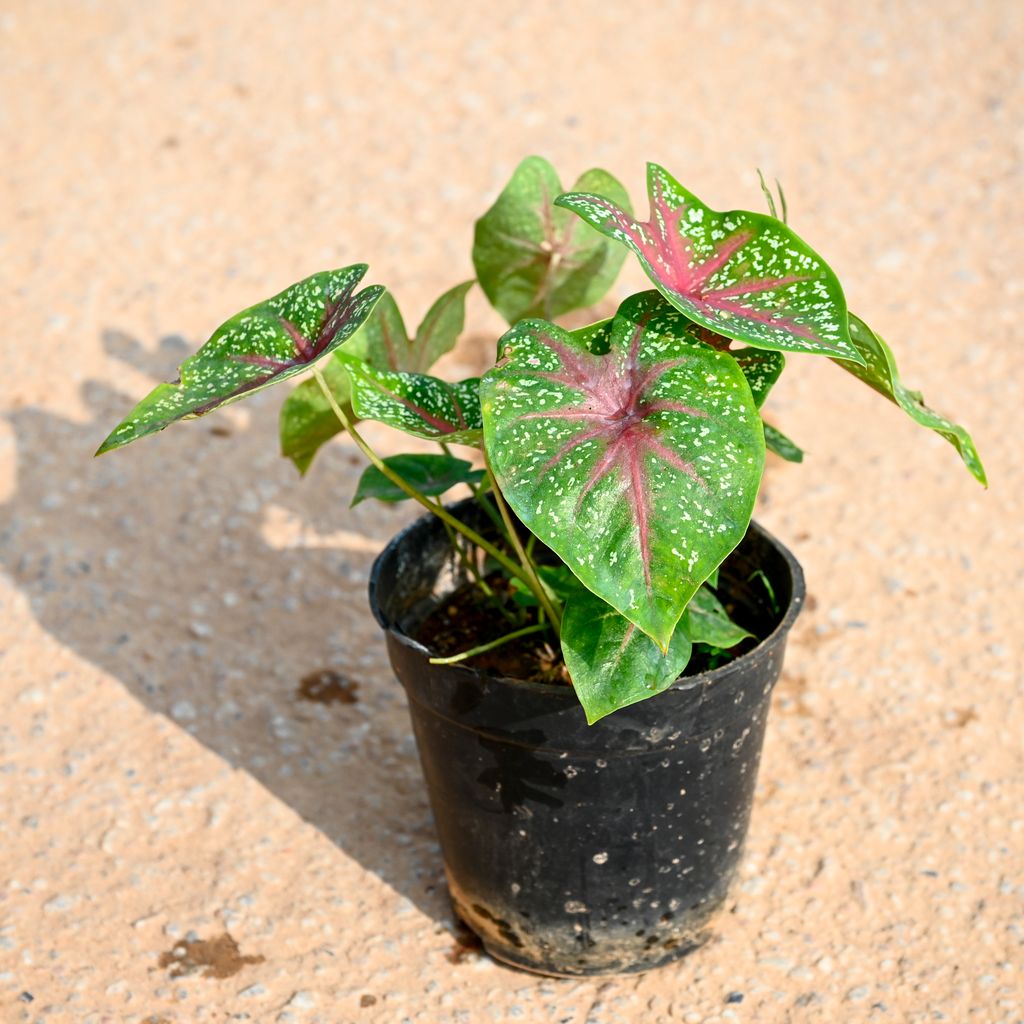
(633, 450)
(415, 403)
(307, 419)
(743, 275)
(258, 347)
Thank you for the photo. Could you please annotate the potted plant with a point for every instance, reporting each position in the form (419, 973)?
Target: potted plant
(590, 639)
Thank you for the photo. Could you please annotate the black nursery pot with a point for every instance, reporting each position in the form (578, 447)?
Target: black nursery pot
(573, 849)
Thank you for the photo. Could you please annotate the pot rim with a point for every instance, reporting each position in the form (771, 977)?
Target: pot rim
(701, 679)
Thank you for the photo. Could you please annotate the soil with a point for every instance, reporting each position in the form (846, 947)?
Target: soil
(469, 619)
(217, 958)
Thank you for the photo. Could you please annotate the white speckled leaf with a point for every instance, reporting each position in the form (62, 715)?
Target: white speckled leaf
(879, 372)
(761, 368)
(307, 419)
(533, 259)
(638, 467)
(743, 275)
(612, 663)
(415, 403)
(260, 346)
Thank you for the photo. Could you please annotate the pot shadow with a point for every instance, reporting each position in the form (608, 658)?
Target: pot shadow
(198, 570)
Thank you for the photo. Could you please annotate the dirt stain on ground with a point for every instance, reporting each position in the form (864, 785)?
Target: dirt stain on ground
(467, 945)
(217, 958)
(325, 686)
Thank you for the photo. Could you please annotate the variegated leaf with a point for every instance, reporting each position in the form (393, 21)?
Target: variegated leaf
(639, 467)
(415, 403)
(761, 368)
(611, 662)
(743, 275)
(533, 259)
(307, 419)
(260, 346)
(879, 372)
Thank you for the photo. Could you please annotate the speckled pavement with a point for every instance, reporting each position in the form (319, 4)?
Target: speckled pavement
(163, 780)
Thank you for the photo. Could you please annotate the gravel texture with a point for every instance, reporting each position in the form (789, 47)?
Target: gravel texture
(185, 835)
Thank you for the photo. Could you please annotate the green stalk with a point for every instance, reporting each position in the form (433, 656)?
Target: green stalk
(483, 648)
(403, 485)
(533, 581)
(485, 485)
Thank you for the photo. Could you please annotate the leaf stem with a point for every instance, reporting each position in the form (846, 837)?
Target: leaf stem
(483, 648)
(532, 580)
(403, 485)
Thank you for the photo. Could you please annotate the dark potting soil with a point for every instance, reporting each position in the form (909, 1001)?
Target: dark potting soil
(469, 619)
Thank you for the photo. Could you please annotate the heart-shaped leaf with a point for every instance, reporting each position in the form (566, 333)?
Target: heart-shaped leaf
(260, 346)
(429, 474)
(611, 662)
(533, 259)
(744, 275)
(307, 419)
(639, 467)
(415, 403)
(879, 372)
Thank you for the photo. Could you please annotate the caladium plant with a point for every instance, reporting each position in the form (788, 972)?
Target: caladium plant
(632, 449)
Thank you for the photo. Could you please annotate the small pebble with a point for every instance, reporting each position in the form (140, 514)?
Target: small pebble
(59, 902)
(183, 711)
(253, 990)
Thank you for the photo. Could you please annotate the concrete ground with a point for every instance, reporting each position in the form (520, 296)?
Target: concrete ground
(163, 781)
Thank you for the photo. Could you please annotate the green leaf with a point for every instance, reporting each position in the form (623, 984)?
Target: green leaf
(440, 329)
(260, 346)
(533, 259)
(706, 621)
(879, 372)
(429, 474)
(761, 368)
(776, 441)
(415, 403)
(307, 419)
(557, 579)
(742, 275)
(610, 661)
(638, 467)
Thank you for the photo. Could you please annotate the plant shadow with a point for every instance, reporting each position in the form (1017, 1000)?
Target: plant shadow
(227, 594)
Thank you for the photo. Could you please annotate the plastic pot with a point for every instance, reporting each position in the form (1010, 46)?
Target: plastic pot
(573, 849)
